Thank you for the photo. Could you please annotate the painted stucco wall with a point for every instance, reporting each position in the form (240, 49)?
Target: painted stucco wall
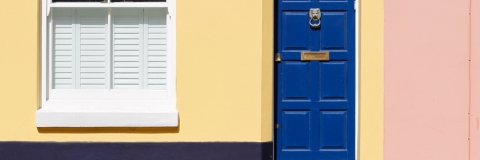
(219, 76)
(427, 47)
(475, 81)
(371, 75)
(224, 76)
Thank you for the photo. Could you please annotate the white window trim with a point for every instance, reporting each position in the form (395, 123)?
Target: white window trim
(136, 110)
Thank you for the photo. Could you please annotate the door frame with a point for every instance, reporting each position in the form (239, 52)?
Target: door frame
(357, 74)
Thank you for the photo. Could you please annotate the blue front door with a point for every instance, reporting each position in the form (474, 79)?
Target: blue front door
(315, 95)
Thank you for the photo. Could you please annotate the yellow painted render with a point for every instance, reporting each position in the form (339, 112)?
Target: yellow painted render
(224, 76)
(219, 76)
(267, 71)
(371, 80)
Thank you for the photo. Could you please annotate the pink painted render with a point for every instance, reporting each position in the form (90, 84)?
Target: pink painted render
(427, 49)
(475, 81)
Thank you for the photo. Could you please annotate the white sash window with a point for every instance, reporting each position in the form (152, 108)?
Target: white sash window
(108, 63)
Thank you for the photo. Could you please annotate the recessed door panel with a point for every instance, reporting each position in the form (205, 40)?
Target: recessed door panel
(297, 37)
(295, 80)
(296, 130)
(333, 130)
(333, 80)
(334, 35)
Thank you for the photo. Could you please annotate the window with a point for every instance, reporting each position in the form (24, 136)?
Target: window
(108, 63)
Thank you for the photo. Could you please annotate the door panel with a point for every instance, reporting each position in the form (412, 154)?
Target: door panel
(333, 129)
(297, 37)
(296, 130)
(334, 33)
(333, 80)
(315, 102)
(296, 76)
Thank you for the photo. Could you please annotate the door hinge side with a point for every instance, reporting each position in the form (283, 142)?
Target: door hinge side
(277, 57)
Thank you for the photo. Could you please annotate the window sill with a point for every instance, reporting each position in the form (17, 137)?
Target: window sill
(102, 117)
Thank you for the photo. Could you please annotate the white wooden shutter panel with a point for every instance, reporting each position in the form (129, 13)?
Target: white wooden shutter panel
(155, 48)
(127, 49)
(63, 56)
(91, 48)
(81, 52)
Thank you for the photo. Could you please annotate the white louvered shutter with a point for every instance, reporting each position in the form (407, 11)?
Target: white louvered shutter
(139, 48)
(155, 43)
(91, 48)
(135, 59)
(127, 49)
(63, 55)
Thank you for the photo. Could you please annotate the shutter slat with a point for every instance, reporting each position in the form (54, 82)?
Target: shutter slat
(119, 75)
(93, 36)
(156, 75)
(120, 70)
(127, 36)
(62, 58)
(92, 41)
(63, 70)
(132, 29)
(92, 70)
(156, 81)
(66, 36)
(156, 46)
(92, 52)
(127, 41)
(92, 81)
(63, 75)
(63, 64)
(124, 47)
(164, 70)
(92, 58)
(127, 81)
(157, 64)
(63, 47)
(157, 58)
(157, 30)
(127, 64)
(153, 35)
(92, 75)
(126, 59)
(92, 47)
(157, 53)
(86, 64)
(127, 53)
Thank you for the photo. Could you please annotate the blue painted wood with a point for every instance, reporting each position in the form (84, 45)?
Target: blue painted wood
(315, 101)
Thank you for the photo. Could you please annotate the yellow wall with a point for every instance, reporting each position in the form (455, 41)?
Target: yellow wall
(219, 76)
(267, 71)
(231, 60)
(371, 80)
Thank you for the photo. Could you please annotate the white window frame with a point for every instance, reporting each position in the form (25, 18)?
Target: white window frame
(115, 108)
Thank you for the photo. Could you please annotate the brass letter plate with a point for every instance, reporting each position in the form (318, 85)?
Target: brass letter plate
(315, 56)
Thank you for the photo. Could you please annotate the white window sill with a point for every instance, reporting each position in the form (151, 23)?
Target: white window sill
(107, 117)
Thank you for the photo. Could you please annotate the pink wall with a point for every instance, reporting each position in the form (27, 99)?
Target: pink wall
(427, 79)
(475, 79)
